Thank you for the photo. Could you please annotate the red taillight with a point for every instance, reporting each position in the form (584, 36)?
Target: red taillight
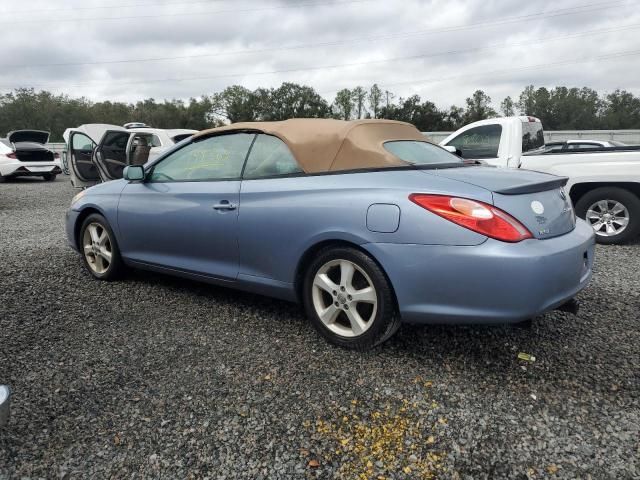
(12, 155)
(477, 216)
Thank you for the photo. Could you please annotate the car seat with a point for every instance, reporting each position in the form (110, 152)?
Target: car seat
(141, 152)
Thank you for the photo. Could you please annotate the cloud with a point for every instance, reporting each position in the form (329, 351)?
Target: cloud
(458, 46)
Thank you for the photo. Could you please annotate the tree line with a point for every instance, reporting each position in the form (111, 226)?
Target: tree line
(559, 108)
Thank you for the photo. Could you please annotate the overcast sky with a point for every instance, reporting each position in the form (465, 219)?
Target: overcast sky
(440, 49)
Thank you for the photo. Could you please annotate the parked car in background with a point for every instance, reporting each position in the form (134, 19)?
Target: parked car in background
(365, 222)
(580, 145)
(98, 152)
(604, 182)
(23, 153)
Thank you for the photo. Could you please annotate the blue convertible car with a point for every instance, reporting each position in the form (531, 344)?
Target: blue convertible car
(365, 223)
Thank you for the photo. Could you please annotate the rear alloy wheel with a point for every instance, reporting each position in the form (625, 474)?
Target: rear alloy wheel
(349, 300)
(49, 177)
(99, 249)
(614, 214)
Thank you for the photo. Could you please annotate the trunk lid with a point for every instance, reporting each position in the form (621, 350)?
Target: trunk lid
(537, 200)
(28, 136)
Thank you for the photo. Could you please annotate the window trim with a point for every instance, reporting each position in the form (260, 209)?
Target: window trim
(170, 153)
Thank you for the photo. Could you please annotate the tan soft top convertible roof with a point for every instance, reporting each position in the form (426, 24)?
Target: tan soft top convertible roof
(322, 145)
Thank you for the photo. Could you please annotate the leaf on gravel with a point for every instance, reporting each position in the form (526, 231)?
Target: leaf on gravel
(116, 440)
(552, 469)
(314, 463)
(527, 357)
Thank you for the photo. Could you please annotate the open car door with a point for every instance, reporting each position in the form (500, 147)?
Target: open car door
(81, 143)
(80, 148)
(112, 154)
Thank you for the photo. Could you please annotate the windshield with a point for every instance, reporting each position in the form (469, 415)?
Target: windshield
(420, 153)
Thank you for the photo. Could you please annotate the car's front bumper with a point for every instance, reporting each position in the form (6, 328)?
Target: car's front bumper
(494, 282)
(70, 227)
(16, 168)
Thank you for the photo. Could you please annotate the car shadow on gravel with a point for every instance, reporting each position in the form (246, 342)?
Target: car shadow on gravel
(481, 344)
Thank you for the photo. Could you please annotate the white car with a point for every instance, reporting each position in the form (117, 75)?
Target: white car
(604, 182)
(563, 146)
(23, 153)
(98, 152)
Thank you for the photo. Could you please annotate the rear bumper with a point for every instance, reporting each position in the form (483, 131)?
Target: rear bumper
(17, 168)
(494, 282)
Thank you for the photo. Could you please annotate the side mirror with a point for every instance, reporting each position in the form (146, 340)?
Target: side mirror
(133, 173)
(5, 400)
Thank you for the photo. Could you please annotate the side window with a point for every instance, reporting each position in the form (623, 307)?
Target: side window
(479, 142)
(81, 142)
(155, 141)
(213, 158)
(113, 146)
(270, 157)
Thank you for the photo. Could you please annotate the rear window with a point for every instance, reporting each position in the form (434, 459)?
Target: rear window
(420, 153)
(532, 136)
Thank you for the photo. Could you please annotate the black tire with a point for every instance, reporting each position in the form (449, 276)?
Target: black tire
(116, 267)
(49, 177)
(381, 326)
(3, 179)
(621, 195)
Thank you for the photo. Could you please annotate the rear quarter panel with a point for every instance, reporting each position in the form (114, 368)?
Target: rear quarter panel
(280, 219)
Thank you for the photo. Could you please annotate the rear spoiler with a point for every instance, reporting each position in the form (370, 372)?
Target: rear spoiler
(552, 184)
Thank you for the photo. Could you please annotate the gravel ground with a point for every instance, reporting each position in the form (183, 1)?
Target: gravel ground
(154, 377)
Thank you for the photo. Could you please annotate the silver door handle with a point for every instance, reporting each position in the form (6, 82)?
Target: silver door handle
(224, 205)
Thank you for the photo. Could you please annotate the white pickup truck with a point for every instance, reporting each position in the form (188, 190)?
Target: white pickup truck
(604, 183)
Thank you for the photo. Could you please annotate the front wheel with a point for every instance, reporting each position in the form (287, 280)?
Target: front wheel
(349, 299)
(613, 212)
(99, 248)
